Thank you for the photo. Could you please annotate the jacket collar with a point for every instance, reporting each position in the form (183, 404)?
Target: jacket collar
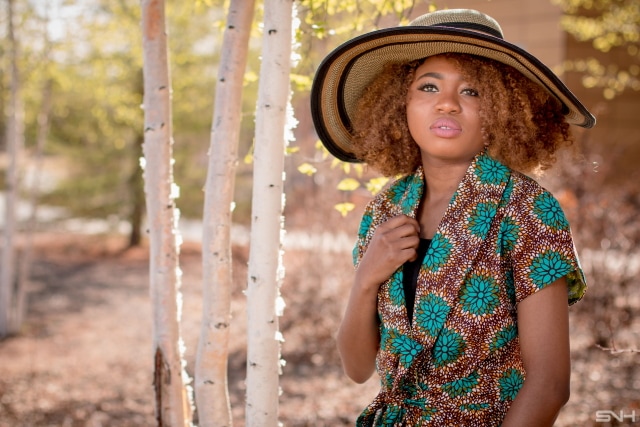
(458, 239)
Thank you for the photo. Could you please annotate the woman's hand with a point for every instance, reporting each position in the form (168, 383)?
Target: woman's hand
(394, 242)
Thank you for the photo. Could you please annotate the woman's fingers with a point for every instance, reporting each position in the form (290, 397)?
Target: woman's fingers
(394, 243)
(397, 234)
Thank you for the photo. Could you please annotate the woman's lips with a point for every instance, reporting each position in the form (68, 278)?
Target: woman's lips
(446, 128)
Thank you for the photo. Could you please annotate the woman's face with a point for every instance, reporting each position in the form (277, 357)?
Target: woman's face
(443, 112)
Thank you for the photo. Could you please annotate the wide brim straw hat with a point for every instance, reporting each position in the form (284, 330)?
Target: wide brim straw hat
(344, 74)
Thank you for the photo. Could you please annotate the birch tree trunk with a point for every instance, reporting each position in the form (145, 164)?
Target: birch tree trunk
(173, 404)
(264, 303)
(11, 290)
(212, 393)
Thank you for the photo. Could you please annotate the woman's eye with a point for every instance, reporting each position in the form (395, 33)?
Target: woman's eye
(471, 92)
(428, 87)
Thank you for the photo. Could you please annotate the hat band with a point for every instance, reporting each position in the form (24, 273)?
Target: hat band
(472, 26)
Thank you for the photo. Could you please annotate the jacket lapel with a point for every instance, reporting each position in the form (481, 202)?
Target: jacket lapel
(456, 244)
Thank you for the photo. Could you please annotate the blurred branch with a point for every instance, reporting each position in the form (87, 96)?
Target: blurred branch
(614, 350)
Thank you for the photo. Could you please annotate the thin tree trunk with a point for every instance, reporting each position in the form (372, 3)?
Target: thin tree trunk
(10, 287)
(212, 393)
(173, 405)
(264, 303)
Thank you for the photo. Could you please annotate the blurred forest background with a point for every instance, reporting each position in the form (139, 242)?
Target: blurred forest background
(82, 357)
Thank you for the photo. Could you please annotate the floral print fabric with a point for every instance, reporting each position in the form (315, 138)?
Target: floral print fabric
(502, 238)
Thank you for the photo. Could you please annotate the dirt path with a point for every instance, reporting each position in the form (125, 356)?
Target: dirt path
(84, 355)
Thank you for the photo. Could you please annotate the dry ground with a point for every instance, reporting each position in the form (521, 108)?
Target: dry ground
(84, 356)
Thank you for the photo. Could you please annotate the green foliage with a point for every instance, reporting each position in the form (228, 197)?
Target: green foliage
(610, 25)
(326, 18)
(94, 64)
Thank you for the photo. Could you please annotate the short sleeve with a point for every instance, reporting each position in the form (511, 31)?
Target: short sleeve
(541, 248)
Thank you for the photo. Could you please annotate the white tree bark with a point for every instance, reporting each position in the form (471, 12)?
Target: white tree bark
(11, 290)
(212, 393)
(173, 403)
(265, 261)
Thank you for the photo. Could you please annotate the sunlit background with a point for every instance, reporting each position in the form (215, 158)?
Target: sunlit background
(83, 355)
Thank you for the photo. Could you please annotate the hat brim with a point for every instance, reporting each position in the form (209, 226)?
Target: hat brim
(346, 72)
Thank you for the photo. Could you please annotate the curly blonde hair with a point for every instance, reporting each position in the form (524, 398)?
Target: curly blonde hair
(522, 124)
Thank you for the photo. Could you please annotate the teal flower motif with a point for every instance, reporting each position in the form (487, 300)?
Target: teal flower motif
(490, 171)
(428, 413)
(480, 219)
(510, 383)
(385, 342)
(420, 403)
(510, 286)
(387, 381)
(473, 407)
(509, 232)
(365, 224)
(411, 388)
(392, 416)
(413, 193)
(548, 210)
(397, 190)
(547, 267)
(438, 252)
(454, 198)
(355, 254)
(506, 194)
(406, 348)
(448, 347)
(479, 294)
(461, 386)
(396, 290)
(503, 337)
(431, 313)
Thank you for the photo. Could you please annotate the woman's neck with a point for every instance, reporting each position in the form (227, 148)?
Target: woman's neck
(441, 181)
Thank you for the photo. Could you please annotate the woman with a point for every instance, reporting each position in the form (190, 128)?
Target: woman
(464, 265)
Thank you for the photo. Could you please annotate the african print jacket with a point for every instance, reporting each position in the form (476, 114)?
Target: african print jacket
(502, 238)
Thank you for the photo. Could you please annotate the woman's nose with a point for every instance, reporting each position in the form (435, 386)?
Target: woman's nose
(448, 103)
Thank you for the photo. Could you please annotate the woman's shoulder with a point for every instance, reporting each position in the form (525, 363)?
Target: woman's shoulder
(524, 186)
(528, 202)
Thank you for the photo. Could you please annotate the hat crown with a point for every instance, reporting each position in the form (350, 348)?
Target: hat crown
(464, 19)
